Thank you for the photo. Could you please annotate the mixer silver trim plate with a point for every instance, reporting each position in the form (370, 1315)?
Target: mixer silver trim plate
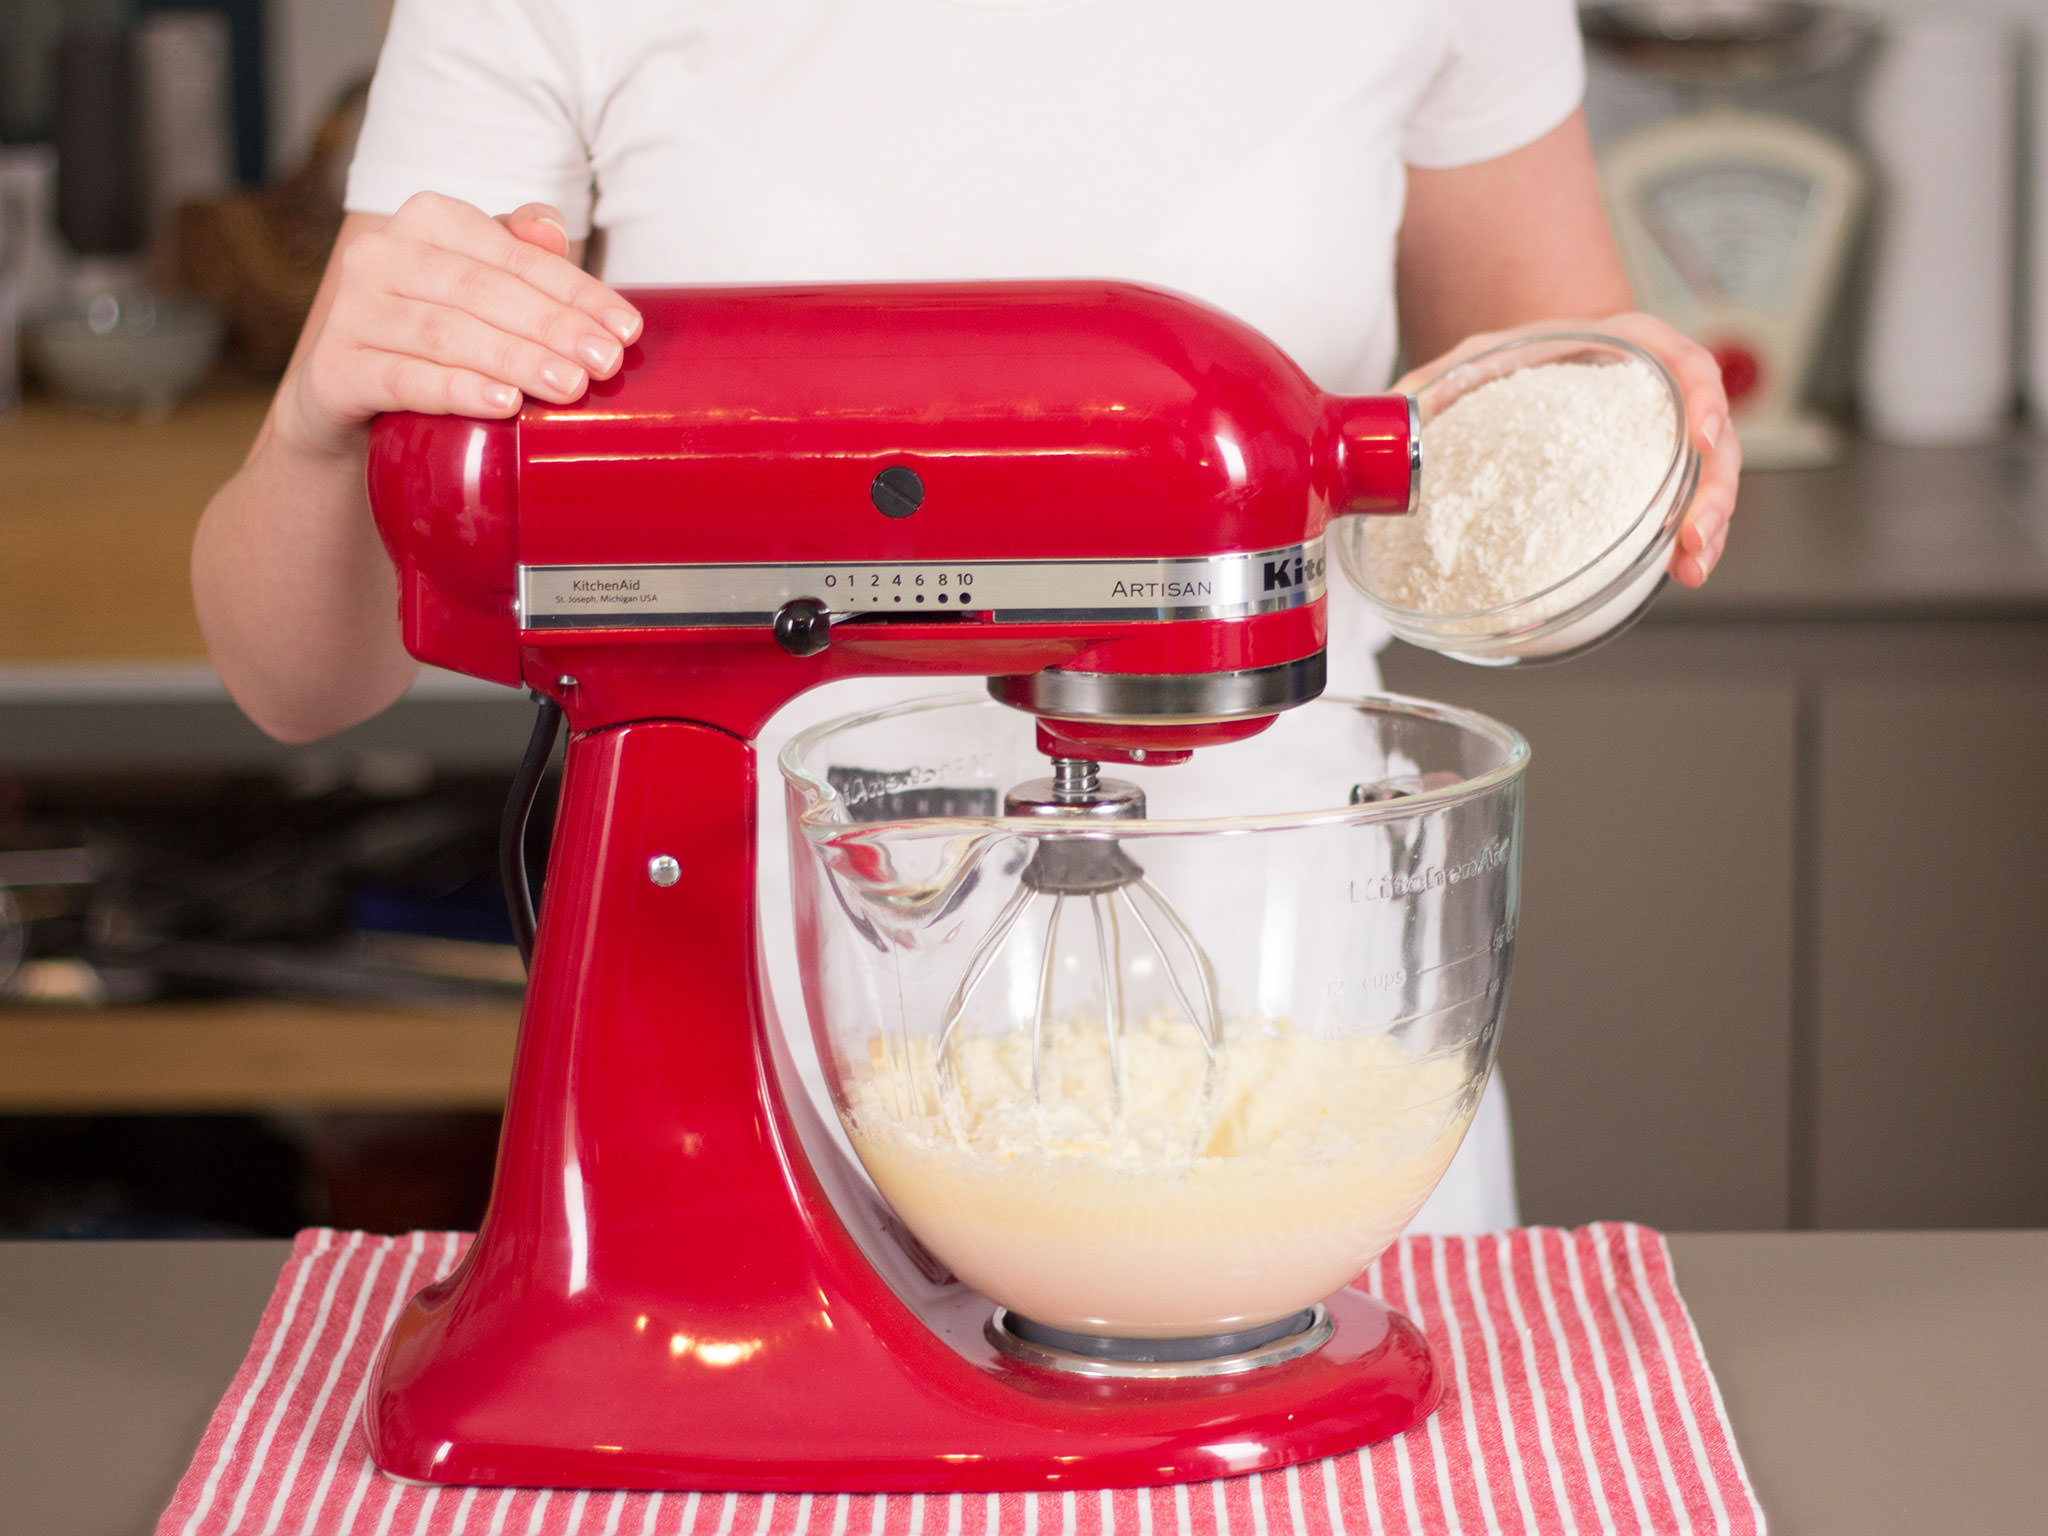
(1238, 695)
(1227, 586)
(1414, 454)
(1291, 1346)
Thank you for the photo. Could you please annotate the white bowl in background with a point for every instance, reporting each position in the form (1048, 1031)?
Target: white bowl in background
(131, 353)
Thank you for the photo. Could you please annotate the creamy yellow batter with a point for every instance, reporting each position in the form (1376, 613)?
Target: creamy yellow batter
(1216, 1195)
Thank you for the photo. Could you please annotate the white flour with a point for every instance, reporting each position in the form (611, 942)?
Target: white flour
(1210, 1200)
(1525, 481)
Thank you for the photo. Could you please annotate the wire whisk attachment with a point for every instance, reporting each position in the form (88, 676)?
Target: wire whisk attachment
(1091, 869)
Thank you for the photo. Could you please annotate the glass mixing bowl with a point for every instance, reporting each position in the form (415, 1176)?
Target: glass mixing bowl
(1085, 1117)
(1579, 610)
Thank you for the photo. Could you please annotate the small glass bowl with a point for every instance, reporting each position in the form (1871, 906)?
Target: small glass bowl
(1590, 605)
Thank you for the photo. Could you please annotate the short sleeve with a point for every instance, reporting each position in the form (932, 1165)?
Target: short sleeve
(478, 99)
(1515, 69)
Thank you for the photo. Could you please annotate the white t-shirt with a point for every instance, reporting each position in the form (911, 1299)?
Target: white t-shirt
(1253, 156)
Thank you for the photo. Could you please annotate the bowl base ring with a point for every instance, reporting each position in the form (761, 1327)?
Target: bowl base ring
(1218, 1354)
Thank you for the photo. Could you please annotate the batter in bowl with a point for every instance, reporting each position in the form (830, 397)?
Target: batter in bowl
(1206, 1196)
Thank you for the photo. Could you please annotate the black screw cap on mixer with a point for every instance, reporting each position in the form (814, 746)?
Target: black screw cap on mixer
(896, 491)
(803, 627)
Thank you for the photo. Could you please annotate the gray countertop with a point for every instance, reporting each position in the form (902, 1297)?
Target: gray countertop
(1889, 532)
(1878, 1382)
(1881, 1383)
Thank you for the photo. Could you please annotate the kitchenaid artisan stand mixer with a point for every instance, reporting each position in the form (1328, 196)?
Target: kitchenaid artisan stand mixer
(1108, 500)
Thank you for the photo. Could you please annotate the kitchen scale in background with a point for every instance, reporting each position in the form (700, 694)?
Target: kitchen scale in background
(1735, 224)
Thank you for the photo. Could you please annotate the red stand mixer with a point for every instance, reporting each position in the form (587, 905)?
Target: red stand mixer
(1107, 500)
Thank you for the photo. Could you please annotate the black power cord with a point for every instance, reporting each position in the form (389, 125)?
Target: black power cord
(540, 746)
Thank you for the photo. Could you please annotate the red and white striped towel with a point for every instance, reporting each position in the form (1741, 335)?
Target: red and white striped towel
(1579, 1402)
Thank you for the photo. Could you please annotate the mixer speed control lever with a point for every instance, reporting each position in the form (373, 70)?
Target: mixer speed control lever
(803, 627)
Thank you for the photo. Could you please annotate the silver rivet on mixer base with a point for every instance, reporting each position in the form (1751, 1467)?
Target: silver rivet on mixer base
(1216, 1354)
(663, 869)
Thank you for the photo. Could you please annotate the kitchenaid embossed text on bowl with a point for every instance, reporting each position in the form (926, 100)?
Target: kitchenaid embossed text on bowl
(1177, 1076)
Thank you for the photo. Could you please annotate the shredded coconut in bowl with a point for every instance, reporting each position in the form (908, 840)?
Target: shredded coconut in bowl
(1526, 480)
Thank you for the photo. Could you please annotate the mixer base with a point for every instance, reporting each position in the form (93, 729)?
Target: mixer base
(958, 1419)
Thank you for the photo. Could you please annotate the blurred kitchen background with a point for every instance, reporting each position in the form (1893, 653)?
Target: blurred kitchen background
(1786, 878)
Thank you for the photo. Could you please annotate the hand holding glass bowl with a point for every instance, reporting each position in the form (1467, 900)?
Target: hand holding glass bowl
(1582, 607)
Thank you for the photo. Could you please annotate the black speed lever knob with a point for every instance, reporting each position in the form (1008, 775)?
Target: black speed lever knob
(803, 627)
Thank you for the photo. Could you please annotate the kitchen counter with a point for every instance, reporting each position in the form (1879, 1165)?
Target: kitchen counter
(253, 1055)
(96, 522)
(1878, 1382)
(1889, 533)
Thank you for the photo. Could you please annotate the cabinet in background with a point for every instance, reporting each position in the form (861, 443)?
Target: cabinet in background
(1782, 960)
(1931, 975)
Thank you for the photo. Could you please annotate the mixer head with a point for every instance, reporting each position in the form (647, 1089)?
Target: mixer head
(1109, 501)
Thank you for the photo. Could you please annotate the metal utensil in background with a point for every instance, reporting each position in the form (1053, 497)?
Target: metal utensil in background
(348, 895)
(38, 883)
(1724, 43)
(31, 258)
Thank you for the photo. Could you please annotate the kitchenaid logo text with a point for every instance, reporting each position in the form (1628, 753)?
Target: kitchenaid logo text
(859, 787)
(1437, 876)
(604, 592)
(1284, 573)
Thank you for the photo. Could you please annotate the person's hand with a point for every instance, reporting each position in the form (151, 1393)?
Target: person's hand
(1705, 529)
(444, 309)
